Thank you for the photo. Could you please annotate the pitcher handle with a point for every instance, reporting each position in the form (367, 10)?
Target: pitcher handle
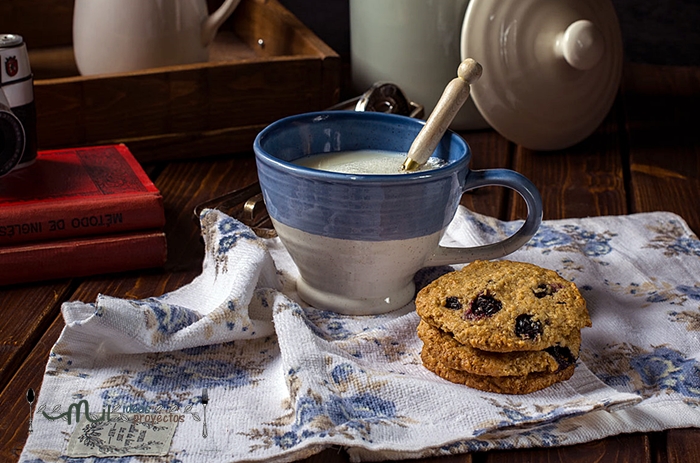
(496, 177)
(216, 19)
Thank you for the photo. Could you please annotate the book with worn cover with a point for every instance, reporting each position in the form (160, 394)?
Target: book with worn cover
(78, 192)
(78, 257)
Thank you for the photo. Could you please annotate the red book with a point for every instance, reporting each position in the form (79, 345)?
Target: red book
(82, 256)
(78, 192)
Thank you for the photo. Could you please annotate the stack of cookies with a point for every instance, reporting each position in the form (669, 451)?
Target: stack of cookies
(501, 326)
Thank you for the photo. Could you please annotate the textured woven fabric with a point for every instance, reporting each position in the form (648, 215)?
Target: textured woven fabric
(285, 380)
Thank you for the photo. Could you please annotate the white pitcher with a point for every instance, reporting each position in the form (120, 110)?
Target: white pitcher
(128, 35)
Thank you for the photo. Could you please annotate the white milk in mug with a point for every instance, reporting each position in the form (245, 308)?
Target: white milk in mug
(363, 162)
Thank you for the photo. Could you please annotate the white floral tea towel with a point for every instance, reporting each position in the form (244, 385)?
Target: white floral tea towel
(284, 381)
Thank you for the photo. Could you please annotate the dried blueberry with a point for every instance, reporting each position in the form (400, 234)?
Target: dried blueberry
(543, 290)
(484, 305)
(562, 355)
(452, 302)
(527, 328)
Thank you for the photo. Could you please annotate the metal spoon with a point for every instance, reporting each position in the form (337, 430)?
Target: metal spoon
(385, 97)
(453, 97)
(30, 398)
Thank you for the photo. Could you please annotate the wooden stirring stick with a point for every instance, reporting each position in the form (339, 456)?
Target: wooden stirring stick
(453, 97)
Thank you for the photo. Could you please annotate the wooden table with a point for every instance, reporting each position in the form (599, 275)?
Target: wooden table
(644, 157)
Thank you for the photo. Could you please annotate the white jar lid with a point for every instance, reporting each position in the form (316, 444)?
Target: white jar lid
(552, 68)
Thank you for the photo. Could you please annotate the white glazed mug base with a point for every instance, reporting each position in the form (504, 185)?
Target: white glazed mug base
(349, 305)
(356, 277)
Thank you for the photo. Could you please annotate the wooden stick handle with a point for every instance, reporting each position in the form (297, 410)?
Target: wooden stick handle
(452, 99)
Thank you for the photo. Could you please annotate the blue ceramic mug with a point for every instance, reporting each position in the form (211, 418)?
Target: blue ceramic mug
(358, 240)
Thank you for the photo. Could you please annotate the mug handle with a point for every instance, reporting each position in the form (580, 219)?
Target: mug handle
(212, 24)
(496, 177)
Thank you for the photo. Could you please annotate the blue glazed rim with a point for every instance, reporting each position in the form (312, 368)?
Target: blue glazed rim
(454, 163)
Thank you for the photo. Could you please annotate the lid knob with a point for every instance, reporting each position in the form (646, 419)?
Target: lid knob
(581, 45)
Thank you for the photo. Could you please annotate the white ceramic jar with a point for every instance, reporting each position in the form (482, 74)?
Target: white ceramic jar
(412, 43)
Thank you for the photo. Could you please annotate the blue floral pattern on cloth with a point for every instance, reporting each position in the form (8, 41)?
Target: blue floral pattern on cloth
(660, 371)
(166, 318)
(284, 380)
(320, 415)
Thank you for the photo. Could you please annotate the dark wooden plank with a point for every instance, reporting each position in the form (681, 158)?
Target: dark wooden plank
(661, 111)
(14, 408)
(657, 446)
(583, 180)
(628, 448)
(683, 445)
(336, 455)
(463, 458)
(331, 455)
(489, 151)
(29, 309)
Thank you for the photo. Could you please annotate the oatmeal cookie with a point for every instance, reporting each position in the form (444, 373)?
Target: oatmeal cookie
(444, 348)
(523, 384)
(504, 306)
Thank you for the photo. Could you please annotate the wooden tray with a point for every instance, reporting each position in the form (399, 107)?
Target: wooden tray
(264, 65)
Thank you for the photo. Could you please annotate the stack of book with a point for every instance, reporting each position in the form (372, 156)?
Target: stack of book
(79, 212)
